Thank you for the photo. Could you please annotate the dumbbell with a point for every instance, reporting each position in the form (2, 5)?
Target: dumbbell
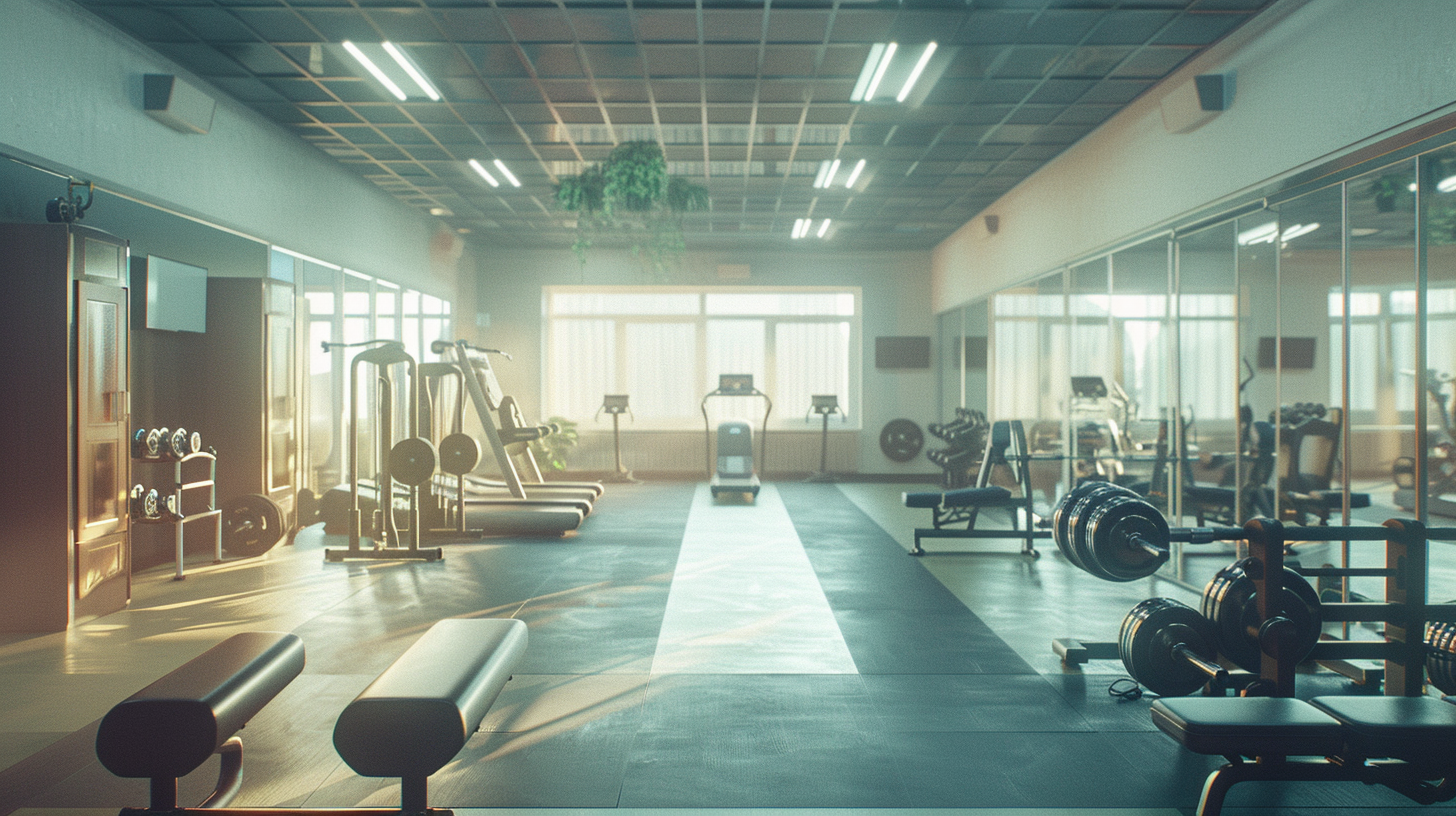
(1169, 648)
(144, 504)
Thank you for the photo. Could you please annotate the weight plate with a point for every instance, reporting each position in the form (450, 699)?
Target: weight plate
(1229, 600)
(251, 525)
(154, 442)
(1064, 512)
(1081, 514)
(412, 461)
(139, 443)
(1146, 644)
(901, 440)
(177, 443)
(1117, 530)
(459, 454)
(169, 507)
(1441, 656)
(151, 503)
(194, 443)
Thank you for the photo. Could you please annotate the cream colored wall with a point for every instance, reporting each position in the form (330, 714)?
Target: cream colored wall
(1314, 79)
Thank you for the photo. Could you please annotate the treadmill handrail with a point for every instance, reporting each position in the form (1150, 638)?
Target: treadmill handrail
(708, 429)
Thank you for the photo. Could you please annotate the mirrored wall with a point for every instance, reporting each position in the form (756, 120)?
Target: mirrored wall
(1292, 360)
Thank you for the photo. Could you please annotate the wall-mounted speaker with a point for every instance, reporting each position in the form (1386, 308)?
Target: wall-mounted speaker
(176, 104)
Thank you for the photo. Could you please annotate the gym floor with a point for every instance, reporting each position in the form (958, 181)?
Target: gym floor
(684, 655)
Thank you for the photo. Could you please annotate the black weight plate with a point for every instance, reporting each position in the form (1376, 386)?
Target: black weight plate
(901, 440)
(459, 454)
(251, 525)
(178, 443)
(1229, 600)
(1108, 548)
(1440, 658)
(1145, 643)
(138, 493)
(1080, 515)
(412, 461)
(1062, 516)
(139, 444)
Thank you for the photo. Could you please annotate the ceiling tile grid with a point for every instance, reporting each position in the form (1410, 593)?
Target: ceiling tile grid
(746, 98)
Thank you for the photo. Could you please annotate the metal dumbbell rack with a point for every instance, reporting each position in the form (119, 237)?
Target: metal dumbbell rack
(1122, 538)
(179, 449)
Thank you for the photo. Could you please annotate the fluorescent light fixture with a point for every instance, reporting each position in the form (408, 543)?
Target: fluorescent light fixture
(867, 73)
(916, 71)
(374, 70)
(823, 228)
(854, 174)
(410, 68)
(833, 171)
(484, 173)
(822, 175)
(879, 58)
(1262, 234)
(1298, 230)
(1447, 184)
(799, 228)
(511, 177)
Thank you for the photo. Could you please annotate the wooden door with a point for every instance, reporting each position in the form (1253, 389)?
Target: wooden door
(103, 456)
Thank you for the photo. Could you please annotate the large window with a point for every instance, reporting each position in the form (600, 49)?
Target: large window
(666, 346)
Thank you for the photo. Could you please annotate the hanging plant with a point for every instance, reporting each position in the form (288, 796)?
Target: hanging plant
(631, 193)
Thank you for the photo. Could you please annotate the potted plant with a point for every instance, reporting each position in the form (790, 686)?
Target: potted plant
(553, 448)
(632, 194)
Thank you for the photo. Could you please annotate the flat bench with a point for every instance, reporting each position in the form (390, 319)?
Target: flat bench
(416, 716)
(961, 507)
(168, 729)
(1407, 744)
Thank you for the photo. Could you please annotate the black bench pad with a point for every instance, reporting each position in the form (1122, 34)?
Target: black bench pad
(966, 497)
(1249, 726)
(168, 729)
(1416, 729)
(416, 716)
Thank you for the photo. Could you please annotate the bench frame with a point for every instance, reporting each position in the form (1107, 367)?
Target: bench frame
(1401, 777)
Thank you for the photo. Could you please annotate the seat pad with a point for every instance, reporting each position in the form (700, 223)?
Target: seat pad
(1249, 726)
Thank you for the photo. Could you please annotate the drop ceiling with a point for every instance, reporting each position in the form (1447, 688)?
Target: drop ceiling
(749, 99)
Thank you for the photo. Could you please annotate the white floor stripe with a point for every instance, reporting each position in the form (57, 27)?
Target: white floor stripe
(744, 598)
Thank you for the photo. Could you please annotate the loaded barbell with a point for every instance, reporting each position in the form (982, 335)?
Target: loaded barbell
(1116, 535)
(1169, 648)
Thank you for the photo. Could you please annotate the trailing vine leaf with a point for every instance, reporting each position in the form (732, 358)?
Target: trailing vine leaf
(633, 184)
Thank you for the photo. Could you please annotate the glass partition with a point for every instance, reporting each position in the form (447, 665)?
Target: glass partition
(1140, 398)
(1309, 357)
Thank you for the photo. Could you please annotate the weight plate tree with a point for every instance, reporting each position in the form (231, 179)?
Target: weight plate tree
(1230, 602)
(901, 440)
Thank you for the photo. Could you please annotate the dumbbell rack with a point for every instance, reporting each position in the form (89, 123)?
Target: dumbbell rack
(1404, 611)
(180, 487)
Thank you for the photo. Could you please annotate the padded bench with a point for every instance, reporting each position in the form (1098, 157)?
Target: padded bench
(955, 507)
(168, 729)
(1407, 744)
(416, 716)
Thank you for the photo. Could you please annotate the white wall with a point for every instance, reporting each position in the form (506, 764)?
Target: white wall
(71, 101)
(1314, 79)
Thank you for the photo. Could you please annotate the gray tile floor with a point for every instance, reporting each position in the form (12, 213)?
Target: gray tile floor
(957, 700)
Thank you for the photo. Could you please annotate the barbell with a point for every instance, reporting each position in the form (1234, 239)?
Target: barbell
(1169, 648)
(1113, 533)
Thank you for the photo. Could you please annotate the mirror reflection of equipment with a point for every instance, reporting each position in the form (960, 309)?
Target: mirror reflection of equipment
(735, 472)
(616, 405)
